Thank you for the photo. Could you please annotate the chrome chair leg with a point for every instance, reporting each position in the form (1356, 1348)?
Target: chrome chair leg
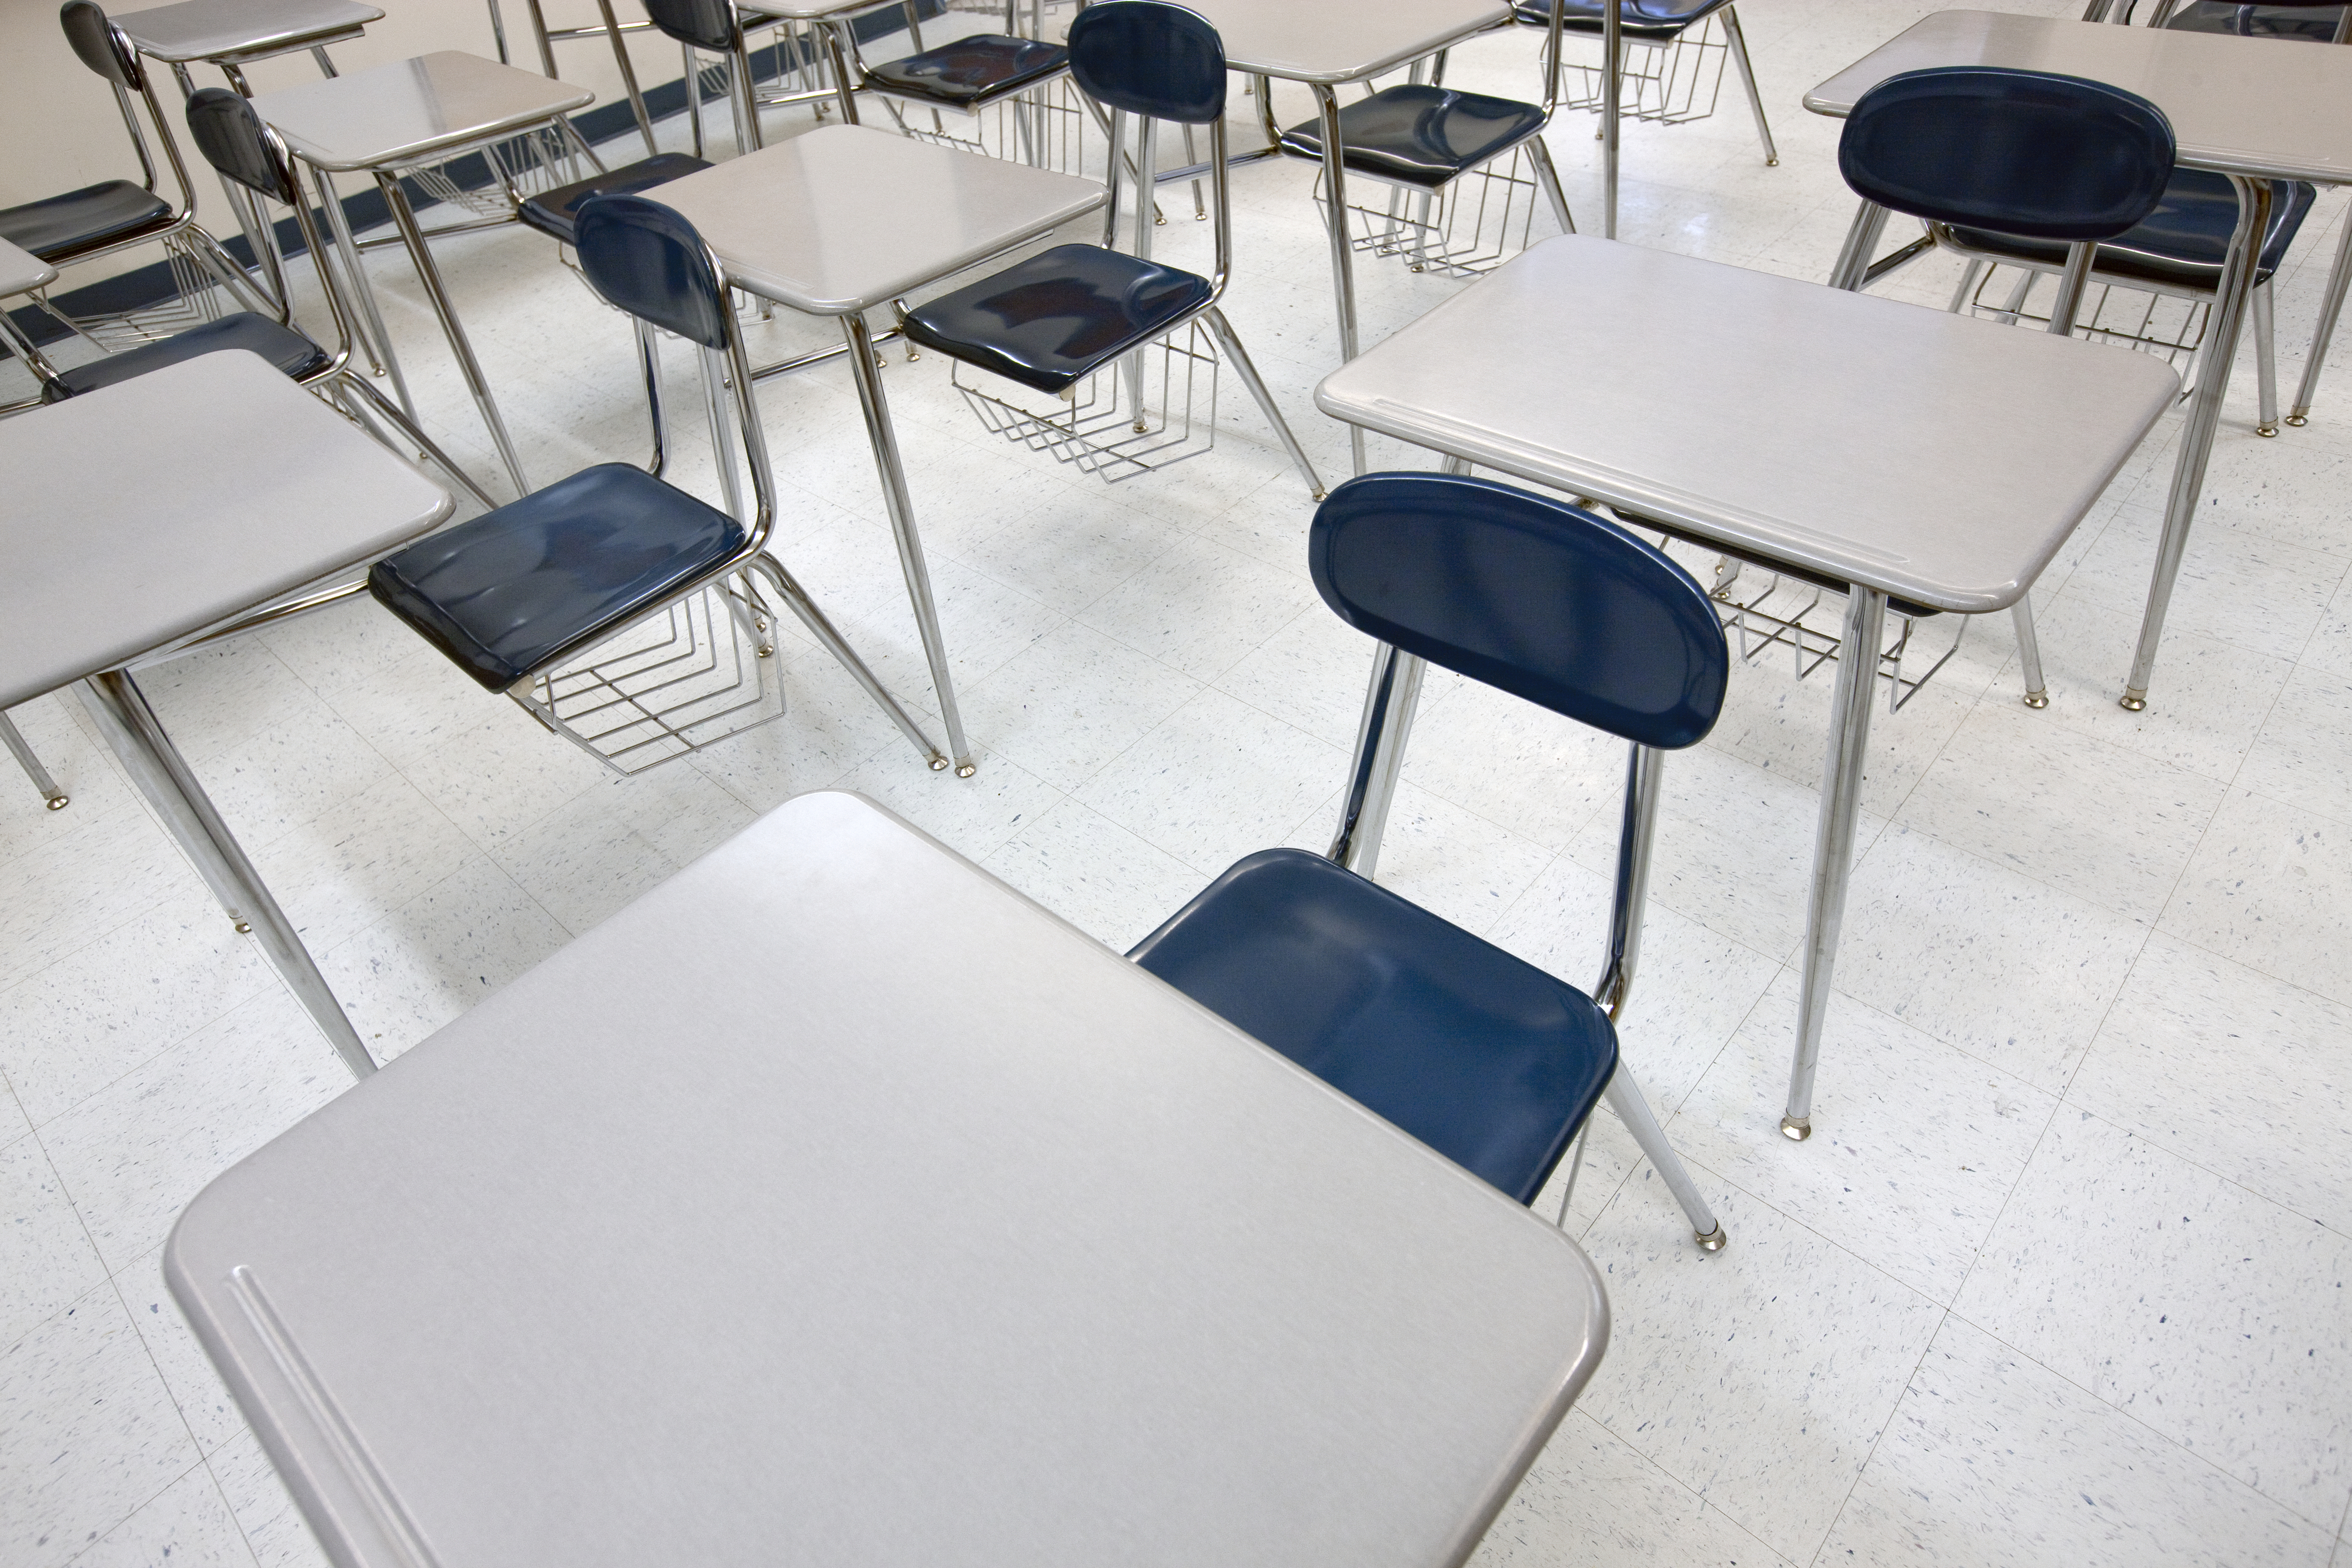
(2338, 277)
(628, 77)
(2265, 362)
(1230, 343)
(9, 736)
(427, 273)
(1625, 1099)
(693, 93)
(378, 339)
(1343, 261)
(797, 601)
(1738, 41)
(2029, 651)
(1549, 178)
(1969, 278)
(896, 500)
(413, 435)
(1377, 761)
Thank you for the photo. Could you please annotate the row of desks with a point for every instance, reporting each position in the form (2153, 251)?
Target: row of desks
(928, 1175)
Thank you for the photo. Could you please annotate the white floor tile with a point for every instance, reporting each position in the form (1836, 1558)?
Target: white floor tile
(189, 1526)
(1096, 875)
(47, 1261)
(1993, 1461)
(2210, 1315)
(132, 1154)
(1591, 1502)
(2263, 890)
(1915, 1144)
(2233, 1071)
(274, 1528)
(1069, 703)
(2015, 973)
(1758, 1376)
(1216, 781)
(2008, 788)
(86, 1432)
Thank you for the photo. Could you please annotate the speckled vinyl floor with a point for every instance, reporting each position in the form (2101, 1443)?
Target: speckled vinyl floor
(2060, 1280)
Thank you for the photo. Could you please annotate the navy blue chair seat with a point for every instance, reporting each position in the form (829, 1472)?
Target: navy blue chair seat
(1052, 321)
(57, 228)
(1658, 21)
(509, 591)
(553, 212)
(284, 347)
(2182, 243)
(1485, 1059)
(971, 73)
(1420, 135)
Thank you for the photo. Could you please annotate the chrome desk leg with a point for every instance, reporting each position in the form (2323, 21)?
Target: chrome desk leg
(1239, 358)
(2338, 278)
(372, 336)
(902, 525)
(1625, 1099)
(1343, 264)
(1379, 758)
(2028, 651)
(163, 776)
(1852, 269)
(56, 798)
(2222, 330)
(796, 599)
(405, 218)
(2265, 361)
(1612, 86)
(1857, 683)
(1738, 41)
(1969, 279)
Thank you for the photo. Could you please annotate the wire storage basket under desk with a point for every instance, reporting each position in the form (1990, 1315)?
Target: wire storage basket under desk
(1043, 128)
(1472, 226)
(1667, 81)
(676, 682)
(1100, 427)
(1767, 614)
(2171, 326)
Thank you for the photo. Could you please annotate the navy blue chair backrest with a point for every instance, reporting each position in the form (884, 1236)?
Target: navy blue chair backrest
(705, 24)
(648, 261)
(2021, 152)
(1150, 58)
(97, 45)
(232, 139)
(1529, 595)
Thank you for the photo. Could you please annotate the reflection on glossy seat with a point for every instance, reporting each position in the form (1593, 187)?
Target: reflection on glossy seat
(559, 569)
(58, 228)
(1419, 135)
(553, 213)
(1060, 315)
(971, 73)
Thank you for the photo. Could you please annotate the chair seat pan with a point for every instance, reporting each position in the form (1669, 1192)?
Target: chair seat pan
(507, 593)
(2181, 244)
(284, 347)
(1656, 20)
(1054, 318)
(57, 228)
(1484, 1058)
(1420, 135)
(971, 73)
(553, 213)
